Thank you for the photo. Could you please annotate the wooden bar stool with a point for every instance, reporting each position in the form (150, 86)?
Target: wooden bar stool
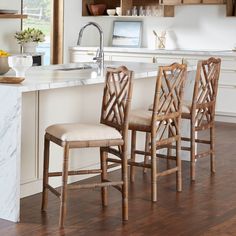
(162, 124)
(110, 135)
(201, 111)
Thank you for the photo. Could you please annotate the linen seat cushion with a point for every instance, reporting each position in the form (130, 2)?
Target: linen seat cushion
(186, 107)
(140, 117)
(83, 132)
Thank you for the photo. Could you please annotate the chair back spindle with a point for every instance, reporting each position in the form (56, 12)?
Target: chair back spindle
(117, 98)
(168, 100)
(205, 91)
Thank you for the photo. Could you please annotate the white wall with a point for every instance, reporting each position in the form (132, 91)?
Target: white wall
(9, 26)
(195, 27)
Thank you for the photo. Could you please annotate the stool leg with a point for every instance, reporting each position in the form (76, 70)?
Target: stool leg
(179, 165)
(103, 161)
(45, 173)
(192, 146)
(212, 146)
(133, 148)
(64, 187)
(169, 153)
(147, 149)
(125, 183)
(153, 169)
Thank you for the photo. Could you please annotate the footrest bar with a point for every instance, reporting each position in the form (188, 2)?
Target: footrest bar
(167, 172)
(115, 186)
(94, 185)
(53, 190)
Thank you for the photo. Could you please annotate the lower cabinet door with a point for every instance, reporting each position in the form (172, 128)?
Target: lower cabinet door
(132, 58)
(29, 137)
(225, 103)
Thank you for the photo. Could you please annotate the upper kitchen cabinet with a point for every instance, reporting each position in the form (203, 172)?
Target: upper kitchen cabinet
(126, 5)
(231, 7)
(183, 2)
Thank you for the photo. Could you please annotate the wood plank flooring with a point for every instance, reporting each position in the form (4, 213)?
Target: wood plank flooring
(206, 207)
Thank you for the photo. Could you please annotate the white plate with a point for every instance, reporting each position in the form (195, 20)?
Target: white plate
(6, 11)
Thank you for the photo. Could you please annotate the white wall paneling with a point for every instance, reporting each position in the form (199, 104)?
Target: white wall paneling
(193, 27)
(9, 26)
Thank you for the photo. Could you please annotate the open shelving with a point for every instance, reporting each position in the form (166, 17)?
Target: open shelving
(126, 5)
(13, 16)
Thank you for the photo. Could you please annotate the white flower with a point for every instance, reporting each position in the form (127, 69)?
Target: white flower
(29, 35)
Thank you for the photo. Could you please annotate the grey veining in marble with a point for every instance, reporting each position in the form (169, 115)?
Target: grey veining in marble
(10, 116)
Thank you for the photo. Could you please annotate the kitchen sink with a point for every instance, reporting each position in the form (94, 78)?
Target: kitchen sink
(85, 67)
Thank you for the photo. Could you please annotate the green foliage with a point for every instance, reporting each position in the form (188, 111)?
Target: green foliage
(29, 35)
(43, 25)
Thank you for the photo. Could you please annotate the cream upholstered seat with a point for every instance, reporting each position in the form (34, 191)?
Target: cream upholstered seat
(110, 136)
(186, 106)
(83, 132)
(186, 109)
(140, 117)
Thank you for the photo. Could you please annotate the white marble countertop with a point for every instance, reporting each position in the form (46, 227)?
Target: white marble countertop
(50, 77)
(190, 52)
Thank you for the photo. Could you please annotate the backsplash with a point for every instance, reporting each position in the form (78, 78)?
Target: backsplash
(193, 27)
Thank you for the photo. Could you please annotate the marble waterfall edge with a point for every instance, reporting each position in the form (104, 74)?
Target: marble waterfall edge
(10, 125)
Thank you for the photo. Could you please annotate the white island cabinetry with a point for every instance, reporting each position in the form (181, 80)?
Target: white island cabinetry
(225, 110)
(51, 95)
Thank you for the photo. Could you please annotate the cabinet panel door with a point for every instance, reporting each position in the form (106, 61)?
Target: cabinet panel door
(192, 1)
(213, 1)
(82, 56)
(167, 60)
(29, 137)
(228, 64)
(132, 58)
(225, 100)
(227, 78)
(171, 2)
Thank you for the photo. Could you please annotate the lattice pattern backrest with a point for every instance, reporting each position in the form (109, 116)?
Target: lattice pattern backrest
(168, 99)
(117, 97)
(169, 89)
(205, 90)
(206, 81)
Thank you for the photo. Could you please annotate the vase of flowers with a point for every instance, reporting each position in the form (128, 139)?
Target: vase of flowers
(29, 39)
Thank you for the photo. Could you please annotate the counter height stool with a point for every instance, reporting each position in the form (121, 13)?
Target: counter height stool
(201, 111)
(162, 123)
(110, 135)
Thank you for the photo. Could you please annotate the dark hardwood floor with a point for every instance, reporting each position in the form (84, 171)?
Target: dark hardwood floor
(206, 207)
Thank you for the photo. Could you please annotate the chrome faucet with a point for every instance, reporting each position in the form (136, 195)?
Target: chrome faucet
(100, 53)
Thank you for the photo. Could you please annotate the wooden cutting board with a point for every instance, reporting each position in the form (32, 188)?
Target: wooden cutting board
(11, 80)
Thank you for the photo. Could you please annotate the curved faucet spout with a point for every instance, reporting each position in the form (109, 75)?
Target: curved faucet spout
(100, 54)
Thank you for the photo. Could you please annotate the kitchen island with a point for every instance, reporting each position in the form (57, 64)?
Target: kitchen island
(49, 95)
(227, 83)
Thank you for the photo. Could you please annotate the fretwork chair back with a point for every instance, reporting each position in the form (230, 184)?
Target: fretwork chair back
(111, 132)
(201, 111)
(162, 123)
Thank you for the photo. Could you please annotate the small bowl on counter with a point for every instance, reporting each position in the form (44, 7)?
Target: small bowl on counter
(96, 9)
(4, 67)
(111, 12)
